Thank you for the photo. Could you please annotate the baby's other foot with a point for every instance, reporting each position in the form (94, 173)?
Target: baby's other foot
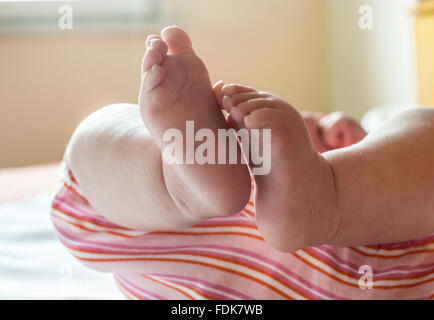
(293, 202)
(175, 89)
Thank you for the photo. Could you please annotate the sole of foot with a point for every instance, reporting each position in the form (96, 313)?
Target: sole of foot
(294, 201)
(176, 88)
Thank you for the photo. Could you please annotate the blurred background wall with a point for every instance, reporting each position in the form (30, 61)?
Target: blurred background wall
(310, 52)
(372, 67)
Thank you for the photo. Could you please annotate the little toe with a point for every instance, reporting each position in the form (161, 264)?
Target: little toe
(177, 40)
(155, 54)
(231, 89)
(151, 37)
(160, 45)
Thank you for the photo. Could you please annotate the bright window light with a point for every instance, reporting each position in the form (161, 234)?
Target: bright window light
(83, 15)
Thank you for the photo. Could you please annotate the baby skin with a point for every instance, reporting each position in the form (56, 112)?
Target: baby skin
(379, 190)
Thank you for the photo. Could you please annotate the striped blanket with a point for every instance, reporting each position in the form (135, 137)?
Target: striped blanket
(226, 258)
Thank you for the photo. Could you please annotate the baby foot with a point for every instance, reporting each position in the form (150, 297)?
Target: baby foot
(175, 89)
(293, 201)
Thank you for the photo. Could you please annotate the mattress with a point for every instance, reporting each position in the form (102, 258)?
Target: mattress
(33, 264)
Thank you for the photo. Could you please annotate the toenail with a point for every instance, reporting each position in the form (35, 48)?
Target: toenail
(149, 40)
(156, 51)
(152, 42)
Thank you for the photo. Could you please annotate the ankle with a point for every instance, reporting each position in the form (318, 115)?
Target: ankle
(314, 219)
(327, 213)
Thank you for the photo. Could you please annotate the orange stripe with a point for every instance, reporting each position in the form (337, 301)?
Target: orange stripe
(357, 278)
(180, 233)
(389, 257)
(195, 262)
(404, 285)
(129, 291)
(123, 291)
(102, 252)
(69, 214)
(249, 212)
(91, 230)
(251, 203)
(71, 177)
(224, 226)
(204, 256)
(206, 296)
(75, 192)
(403, 247)
(156, 232)
(330, 265)
(409, 277)
(323, 271)
(355, 285)
(169, 286)
(74, 224)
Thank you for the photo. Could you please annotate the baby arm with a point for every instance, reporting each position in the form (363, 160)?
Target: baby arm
(385, 184)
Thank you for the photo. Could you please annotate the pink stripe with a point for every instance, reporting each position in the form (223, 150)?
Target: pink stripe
(237, 215)
(200, 289)
(84, 214)
(356, 274)
(343, 262)
(268, 270)
(228, 223)
(269, 261)
(139, 289)
(430, 297)
(206, 283)
(193, 249)
(363, 253)
(406, 244)
(286, 271)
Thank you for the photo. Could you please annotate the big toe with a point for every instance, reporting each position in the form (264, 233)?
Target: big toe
(177, 40)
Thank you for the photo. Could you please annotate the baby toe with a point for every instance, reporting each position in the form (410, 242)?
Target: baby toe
(217, 90)
(239, 98)
(261, 118)
(231, 89)
(159, 45)
(245, 108)
(151, 58)
(151, 37)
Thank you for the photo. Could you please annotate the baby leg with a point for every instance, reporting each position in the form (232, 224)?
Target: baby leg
(116, 153)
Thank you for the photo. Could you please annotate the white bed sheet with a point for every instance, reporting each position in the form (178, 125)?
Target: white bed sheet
(33, 263)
